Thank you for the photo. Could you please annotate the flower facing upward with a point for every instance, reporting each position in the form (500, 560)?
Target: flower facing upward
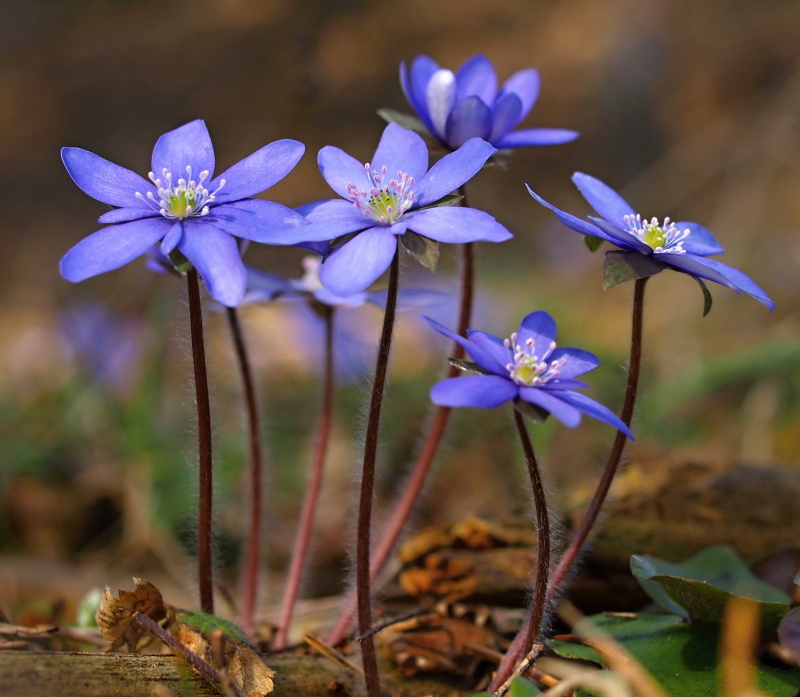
(681, 246)
(185, 208)
(467, 104)
(527, 367)
(390, 198)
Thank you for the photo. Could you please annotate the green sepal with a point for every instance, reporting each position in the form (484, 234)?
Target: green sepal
(205, 624)
(449, 200)
(532, 411)
(412, 123)
(707, 299)
(621, 266)
(593, 243)
(340, 242)
(423, 249)
(180, 262)
(468, 366)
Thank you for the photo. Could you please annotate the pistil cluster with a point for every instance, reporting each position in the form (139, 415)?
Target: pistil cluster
(528, 369)
(187, 198)
(661, 238)
(386, 201)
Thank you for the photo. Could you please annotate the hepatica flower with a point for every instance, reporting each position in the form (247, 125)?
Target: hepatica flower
(467, 104)
(393, 197)
(526, 368)
(193, 214)
(649, 246)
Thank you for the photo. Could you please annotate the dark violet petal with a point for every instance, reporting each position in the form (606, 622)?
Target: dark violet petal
(216, 257)
(112, 247)
(359, 262)
(452, 171)
(422, 70)
(607, 202)
(525, 84)
(505, 115)
(493, 347)
(187, 146)
(578, 361)
(123, 215)
(547, 400)
(103, 180)
(339, 170)
(258, 172)
(454, 224)
(469, 118)
(400, 150)
(485, 360)
(571, 221)
(478, 391)
(258, 220)
(595, 410)
(718, 272)
(700, 241)
(477, 77)
(541, 328)
(172, 238)
(537, 136)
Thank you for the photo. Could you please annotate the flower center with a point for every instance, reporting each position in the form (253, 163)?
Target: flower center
(664, 237)
(386, 201)
(528, 368)
(182, 199)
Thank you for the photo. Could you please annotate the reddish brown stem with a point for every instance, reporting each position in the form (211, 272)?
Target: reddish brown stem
(254, 444)
(205, 512)
(312, 495)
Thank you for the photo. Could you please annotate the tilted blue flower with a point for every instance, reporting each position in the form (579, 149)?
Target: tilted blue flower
(682, 246)
(389, 197)
(185, 208)
(526, 367)
(467, 104)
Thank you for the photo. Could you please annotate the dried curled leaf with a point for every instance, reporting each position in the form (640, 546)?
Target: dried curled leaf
(115, 616)
(249, 674)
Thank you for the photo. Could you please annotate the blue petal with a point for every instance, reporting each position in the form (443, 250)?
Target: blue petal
(537, 136)
(440, 96)
(452, 171)
(478, 391)
(486, 360)
(334, 208)
(328, 221)
(415, 88)
(172, 238)
(103, 180)
(112, 247)
(124, 215)
(563, 384)
(258, 220)
(540, 327)
(216, 257)
(492, 346)
(525, 84)
(550, 401)
(505, 115)
(358, 263)
(595, 410)
(477, 77)
(622, 238)
(258, 172)
(571, 221)
(454, 224)
(700, 241)
(400, 150)
(469, 118)
(408, 298)
(607, 202)
(267, 285)
(578, 361)
(187, 146)
(339, 170)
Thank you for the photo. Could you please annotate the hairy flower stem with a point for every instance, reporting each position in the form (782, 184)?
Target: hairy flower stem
(518, 646)
(430, 447)
(368, 656)
(204, 534)
(312, 495)
(254, 443)
(534, 622)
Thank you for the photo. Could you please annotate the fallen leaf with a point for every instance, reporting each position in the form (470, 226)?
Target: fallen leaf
(115, 616)
(249, 674)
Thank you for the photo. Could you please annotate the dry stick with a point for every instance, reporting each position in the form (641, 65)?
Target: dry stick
(312, 495)
(368, 657)
(204, 535)
(429, 449)
(254, 442)
(517, 648)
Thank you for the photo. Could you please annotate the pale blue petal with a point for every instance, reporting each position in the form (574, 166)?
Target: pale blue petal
(607, 202)
(258, 220)
(112, 247)
(525, 84)
(700, 241)
(541, 328)
(492, 346)
(560, 384)
(334, 208)
(440, 96)
(216, 257)
(103, 180)
(408, 298)
(578, 361)
(452, 171)
(359, 262)
(266, 286)
(478, 391)
(172, 238)
(546, 399)
(595, 410)
(123, 215)
(454, 224)
(484, 359)
(399, 150)
(187, 146)
(339, 170)
(469, 118)
(422, 69)
(537, 136)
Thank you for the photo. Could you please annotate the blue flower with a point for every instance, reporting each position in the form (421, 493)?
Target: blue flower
(185, 208)
(467, 104)
(681, 246)
(526, 368)
(392, 197)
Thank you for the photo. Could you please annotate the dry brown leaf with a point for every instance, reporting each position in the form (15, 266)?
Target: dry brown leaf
(115, 616)
(193, 640)
(249, 674)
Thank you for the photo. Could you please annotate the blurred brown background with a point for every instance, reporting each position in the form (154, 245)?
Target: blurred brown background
(690, 109)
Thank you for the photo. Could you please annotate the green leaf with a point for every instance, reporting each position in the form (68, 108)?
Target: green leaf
(532, 411)
(707, 299)
(205, 624)
(449, 200)
(700, 587)
(181, 263)
(681, 657)
(412, 123)
(423, 249)
(88, 606)
(593, 243)
(621, 266)
(520, 687)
